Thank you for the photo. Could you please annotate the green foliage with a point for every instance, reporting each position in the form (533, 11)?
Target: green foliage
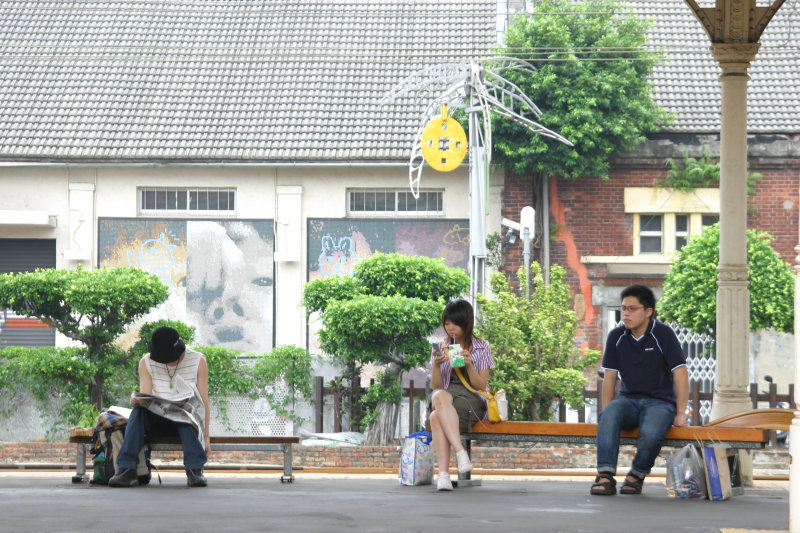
(91, 306)
(385, 389)
(383, 312)
(532, 342)
(494, 250)
(53, 376)
(410, 276)
(227, 375)
(380, 329)
(694, 173)
(690, 287)
(318, 293)
(591, 86)
(289, 364)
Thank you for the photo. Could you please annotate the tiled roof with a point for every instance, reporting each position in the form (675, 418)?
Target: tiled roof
(244, 80)
(688, 82)
(296, 80)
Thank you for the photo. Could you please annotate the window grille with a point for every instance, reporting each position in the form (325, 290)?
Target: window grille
(394, 202)
(184, 201)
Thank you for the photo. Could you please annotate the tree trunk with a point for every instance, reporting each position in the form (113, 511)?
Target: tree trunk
(96, 391)
(381, 432)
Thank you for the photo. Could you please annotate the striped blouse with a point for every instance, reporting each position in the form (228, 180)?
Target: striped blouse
(481, 359)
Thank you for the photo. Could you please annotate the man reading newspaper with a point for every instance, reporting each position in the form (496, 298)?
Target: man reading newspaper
(172, 400)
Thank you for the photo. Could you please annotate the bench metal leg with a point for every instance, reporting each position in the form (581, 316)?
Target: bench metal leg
(287, 476)
(465, 480)
(80, 463)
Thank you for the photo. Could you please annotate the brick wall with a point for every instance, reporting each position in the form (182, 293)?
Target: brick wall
(374, 457)
(589, 213)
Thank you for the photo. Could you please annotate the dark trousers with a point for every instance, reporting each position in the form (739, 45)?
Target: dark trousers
(143, 423)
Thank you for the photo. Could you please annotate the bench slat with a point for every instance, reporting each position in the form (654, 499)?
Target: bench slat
(584, 429)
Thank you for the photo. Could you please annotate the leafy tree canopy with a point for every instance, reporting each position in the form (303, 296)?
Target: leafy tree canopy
(383, 314)
(386, 309)
(690, 287)
(533, 344)
(91, 306)
(591, 86)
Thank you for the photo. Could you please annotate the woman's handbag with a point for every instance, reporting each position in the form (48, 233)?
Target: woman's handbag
(496, 403)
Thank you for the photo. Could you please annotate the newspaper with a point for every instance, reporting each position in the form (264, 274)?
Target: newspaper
(185, 409)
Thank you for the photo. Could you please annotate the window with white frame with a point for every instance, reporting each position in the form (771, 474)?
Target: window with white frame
(651, 234)
(186, 200)
(681, 231)
(667, 232)
(394, 202)
(663, 222)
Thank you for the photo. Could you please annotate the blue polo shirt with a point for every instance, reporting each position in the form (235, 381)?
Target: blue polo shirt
(645, 365)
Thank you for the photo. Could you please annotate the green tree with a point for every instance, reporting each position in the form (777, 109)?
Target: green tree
(690, 287)
(591, 86)
(383, 314)
(533, 344)
(90, 306)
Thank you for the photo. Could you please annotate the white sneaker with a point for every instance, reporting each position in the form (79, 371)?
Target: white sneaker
(464, 465)
(443, 482)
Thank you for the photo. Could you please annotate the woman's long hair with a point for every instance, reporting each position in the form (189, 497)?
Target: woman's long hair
(460, 313)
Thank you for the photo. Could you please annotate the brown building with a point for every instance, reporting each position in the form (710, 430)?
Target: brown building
(611, 233)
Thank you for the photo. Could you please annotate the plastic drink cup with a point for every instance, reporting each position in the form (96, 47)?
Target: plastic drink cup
(456, 359)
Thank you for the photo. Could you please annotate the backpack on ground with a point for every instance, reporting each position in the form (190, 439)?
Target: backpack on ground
(106, 443)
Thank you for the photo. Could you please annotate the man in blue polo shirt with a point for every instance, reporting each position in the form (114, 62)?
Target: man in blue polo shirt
(646, 355)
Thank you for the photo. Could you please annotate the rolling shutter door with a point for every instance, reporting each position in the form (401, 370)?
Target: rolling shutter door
(25, 255)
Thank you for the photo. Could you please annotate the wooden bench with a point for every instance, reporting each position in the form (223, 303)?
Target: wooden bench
(746, 430)
(83, 441)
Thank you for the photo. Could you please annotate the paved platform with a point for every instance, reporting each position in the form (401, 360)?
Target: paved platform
(48, 502)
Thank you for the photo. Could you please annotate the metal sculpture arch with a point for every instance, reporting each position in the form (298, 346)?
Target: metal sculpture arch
(479, 89)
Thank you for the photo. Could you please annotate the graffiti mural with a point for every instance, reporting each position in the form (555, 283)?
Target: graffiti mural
(220, 273)
(335, 246)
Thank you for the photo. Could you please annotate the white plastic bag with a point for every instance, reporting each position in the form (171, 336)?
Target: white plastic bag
(502, 405)
(686, 478)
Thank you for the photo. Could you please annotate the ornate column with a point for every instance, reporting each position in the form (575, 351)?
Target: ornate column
(733, 296)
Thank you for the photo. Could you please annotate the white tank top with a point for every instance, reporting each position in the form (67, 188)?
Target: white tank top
(185, 371)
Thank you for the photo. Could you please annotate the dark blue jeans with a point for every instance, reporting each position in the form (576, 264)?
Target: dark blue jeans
(653, 418)
(144, 423)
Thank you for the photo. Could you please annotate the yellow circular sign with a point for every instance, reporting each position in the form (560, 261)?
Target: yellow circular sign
(444, 143)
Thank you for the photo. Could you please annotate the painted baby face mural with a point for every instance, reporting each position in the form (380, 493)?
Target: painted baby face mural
(220, 273)
(229, 287)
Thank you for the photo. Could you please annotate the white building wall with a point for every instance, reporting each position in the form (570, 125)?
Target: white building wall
(111, 191)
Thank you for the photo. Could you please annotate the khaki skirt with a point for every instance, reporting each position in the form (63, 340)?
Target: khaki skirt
(470, 406)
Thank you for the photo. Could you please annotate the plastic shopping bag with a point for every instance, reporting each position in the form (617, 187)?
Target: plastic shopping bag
(686, 477)
(416, 461)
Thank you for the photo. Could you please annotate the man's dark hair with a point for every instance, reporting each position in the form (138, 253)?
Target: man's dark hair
(643, 294)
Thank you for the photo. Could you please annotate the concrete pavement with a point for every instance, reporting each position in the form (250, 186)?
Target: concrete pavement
(47, 502)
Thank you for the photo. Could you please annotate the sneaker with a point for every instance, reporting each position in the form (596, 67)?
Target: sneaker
(443, 482)
(126, 477)
(195, 478)
(464, 464)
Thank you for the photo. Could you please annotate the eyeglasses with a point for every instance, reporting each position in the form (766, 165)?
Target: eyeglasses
(630, 308)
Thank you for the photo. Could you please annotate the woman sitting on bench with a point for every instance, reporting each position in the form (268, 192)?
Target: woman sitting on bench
(455, 407)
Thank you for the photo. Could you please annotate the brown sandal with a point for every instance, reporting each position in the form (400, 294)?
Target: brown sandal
(604, 485)
(632, 487)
